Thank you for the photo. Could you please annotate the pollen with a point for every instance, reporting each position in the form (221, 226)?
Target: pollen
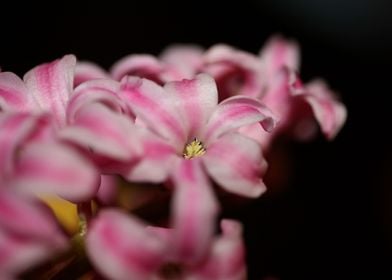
(194, 149)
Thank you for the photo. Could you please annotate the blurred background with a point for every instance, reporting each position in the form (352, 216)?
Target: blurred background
(332, 218)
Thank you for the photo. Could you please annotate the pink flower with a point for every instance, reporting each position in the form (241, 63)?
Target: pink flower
(175, 63)
(32, 161)
(184, 121)
(295, 104)
(29, 233)
(236, 72)
(134, 251)
(90, 116)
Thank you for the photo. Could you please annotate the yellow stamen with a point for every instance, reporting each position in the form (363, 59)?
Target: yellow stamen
(64, 211)
(194, 149)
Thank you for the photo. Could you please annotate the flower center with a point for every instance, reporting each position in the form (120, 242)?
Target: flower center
(194, 149)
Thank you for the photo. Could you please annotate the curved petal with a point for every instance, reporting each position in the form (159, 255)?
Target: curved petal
(51, 84)
(22, 215)
(236, 112)
(235, 162)
(108, 190)
(15, 130)
(19, 253)
(279, 52)
(141, 65)
(96, 91)
(155, 107)
(104, 132)
(227, 258)
(195, 100)
(194, 211)
(14, 95)
(120, 247)
(328, 111)
(157, 162)
(236, 72)
(184, 61)
(51, 168)
(86, 71)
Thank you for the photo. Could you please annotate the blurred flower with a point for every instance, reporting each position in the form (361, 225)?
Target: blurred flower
(33, 162)
(29, 233)
(134, 251)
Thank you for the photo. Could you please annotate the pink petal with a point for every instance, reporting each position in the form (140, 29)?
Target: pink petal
(328, 111)
(196, 99)
(194, 210)
(235, 162)
(104, 132)
(120, 247)
(96, 91)
(236, 72)
(142, 65)
(157, 162)
(108, 190)
(155, 108)
(50, 168)
(86, 71)
(22, 215)
(13, 94)
(279, 52)
(227, 257)
(15, 131)
(184, 61)
(19, 253)
(51, 84)
(236, 112)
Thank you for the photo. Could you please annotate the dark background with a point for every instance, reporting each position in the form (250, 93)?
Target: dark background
(334, 219)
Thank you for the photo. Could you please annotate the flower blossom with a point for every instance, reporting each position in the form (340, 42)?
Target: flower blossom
(184, 121)
(48, 90)
(134, 251)
(29, 233)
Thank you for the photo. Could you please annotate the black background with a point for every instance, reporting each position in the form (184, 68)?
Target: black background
(334, 220)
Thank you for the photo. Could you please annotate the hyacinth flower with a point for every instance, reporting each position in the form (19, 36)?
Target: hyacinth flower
(134, 251)
(175, 63)
(295, 104)
(25, 142)
(29, 233)
(97, 118)
(183, 121)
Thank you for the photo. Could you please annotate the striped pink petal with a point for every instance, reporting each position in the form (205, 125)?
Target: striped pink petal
(196, 99)
(279, 52)
(157, 161)
(141, 65)
(23, 215)
(183, 61)
(86, 71)
(236, 72)
(329, 112)
(15, 131)
(13, 94)
(235, 162)
(236, 112)
(227, 258)
(194, 209)
(121, 247)
(104, 132)
(155, 107)
(50, 85)
(52, 168)
(96, 91)
(19, 253)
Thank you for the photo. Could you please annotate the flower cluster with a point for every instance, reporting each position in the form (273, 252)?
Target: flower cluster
(192, 123)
